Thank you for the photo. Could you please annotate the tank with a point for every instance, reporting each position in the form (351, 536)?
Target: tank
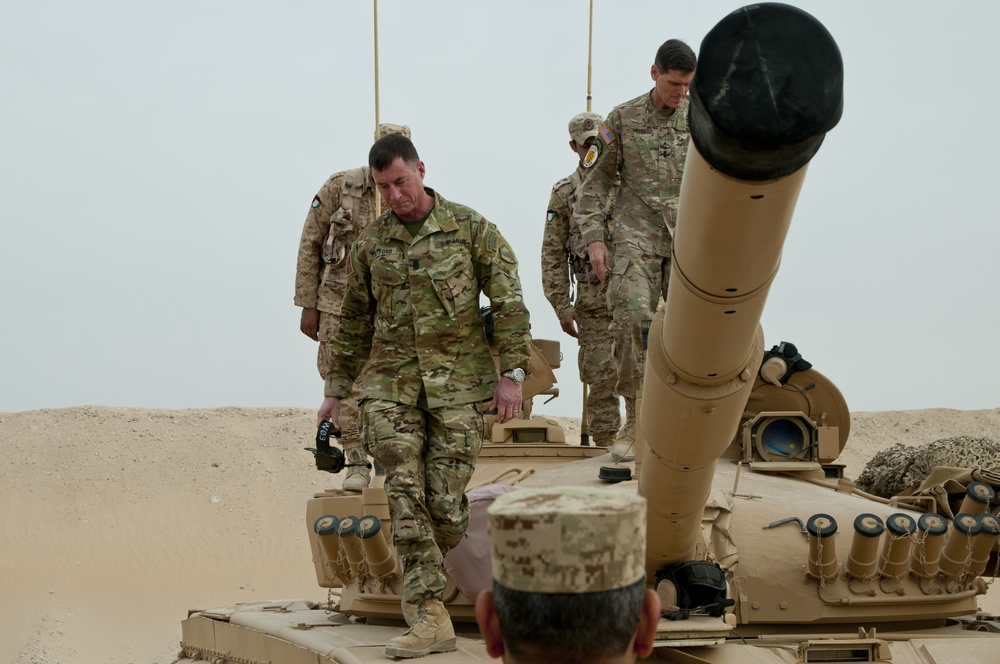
(759, 547)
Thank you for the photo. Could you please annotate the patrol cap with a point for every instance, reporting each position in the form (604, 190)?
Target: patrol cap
(567, 539)
(584, 125)
(386, 129)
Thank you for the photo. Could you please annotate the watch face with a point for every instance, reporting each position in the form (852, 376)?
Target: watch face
(516, 375)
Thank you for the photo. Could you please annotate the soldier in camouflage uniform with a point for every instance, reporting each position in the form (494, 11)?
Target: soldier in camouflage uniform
(411, 336)
(564, 263)
(644, 141)
(344, 206)
(569, 578)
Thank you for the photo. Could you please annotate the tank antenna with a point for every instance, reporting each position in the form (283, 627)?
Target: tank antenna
(378, 198)
(590, 53)
(585, 416)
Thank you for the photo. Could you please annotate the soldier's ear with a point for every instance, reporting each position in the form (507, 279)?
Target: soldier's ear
(489, 623)
(649, 618)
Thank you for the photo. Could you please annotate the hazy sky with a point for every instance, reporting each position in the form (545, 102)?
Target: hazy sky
(158, 160)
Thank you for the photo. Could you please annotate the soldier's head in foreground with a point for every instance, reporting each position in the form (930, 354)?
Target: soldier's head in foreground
(583, 129)
(569, 580)
(672, 71)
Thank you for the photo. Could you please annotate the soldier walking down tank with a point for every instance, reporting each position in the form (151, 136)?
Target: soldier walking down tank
(343, 207)
(569, 578)
(411, 339)
(644, 141)
(585, 317)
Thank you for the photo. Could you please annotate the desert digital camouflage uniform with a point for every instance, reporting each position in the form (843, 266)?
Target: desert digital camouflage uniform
(565, 264)
(647, 148)
(412, 335)
(567, 540)
(343, 207)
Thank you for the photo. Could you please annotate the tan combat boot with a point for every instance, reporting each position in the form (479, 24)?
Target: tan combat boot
(357, 477)
(431, 632)
(604, 440)
(623, 448)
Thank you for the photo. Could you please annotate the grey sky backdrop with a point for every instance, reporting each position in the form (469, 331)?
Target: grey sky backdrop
(158, 160)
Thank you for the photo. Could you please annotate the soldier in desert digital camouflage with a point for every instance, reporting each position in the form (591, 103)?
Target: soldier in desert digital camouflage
(343, 207)
(569, 578)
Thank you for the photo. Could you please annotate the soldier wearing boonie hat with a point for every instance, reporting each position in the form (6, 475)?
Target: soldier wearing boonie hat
(569, 578)
(342, 208)
(578, 298)
(584, 126)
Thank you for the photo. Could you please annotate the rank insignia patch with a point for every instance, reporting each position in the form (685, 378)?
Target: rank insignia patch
(607, 135)
(550, 215)
(591, 157)
(316, 202)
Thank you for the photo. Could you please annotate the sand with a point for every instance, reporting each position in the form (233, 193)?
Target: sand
(114, 522)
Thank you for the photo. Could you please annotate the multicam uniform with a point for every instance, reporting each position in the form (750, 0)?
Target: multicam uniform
(647, 148)
(344, 206)
(412, 335)
(564, 261)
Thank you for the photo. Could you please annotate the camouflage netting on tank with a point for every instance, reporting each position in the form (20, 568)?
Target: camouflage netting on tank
(899, 470)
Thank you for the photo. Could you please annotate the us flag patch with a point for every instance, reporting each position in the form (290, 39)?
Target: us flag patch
(607, 135)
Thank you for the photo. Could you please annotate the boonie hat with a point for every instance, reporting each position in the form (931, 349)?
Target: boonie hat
(567, 539)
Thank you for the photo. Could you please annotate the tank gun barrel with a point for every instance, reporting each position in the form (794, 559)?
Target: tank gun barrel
(767, 89)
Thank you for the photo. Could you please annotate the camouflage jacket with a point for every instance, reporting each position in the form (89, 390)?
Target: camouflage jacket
(411, 322)
(647, 148)
(564, 255)
(344, 207)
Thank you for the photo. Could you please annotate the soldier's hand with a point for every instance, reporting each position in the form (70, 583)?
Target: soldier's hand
(571, 324)
(600, 259)
(309, 323)
(506, 400)
(329, 411)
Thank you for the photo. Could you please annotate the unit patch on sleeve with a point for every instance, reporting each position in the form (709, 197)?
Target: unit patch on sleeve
(316, 202)
(550, 215)
(591, 157)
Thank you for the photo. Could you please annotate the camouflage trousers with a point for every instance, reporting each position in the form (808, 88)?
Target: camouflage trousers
(596, 361)
(428, 456)
(350, 438)
(637, 284)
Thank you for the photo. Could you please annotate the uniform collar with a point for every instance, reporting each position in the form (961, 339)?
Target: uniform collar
(678, 118)
(440, 220)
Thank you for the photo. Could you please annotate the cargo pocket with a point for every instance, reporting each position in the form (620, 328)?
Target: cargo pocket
(466, 430)
(616, 290)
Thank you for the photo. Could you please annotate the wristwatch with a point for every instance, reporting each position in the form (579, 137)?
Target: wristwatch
(516, 375)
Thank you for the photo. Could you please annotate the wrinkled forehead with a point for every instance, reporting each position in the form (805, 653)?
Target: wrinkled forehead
(399, 168)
